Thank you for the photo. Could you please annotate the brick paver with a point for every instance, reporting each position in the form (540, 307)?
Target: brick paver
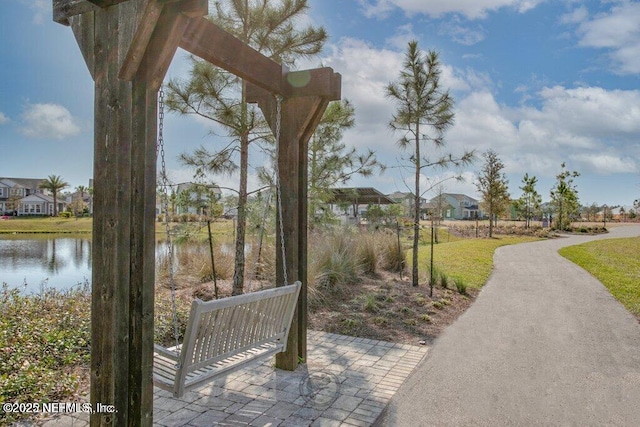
(347, 381)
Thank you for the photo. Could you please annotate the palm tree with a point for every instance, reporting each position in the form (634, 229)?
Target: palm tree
(54, 183)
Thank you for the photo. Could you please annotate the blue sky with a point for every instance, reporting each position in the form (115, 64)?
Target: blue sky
(538, 81)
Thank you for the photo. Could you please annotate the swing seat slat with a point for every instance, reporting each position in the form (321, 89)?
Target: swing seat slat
(224, 335)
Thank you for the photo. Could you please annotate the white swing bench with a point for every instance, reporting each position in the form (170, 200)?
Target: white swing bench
(224, 335)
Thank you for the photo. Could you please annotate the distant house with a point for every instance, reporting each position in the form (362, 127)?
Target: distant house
(407, 200)
(22, 196)
(38, 204)
(454, 206)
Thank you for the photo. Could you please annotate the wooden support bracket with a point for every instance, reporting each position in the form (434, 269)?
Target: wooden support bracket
(158, 17)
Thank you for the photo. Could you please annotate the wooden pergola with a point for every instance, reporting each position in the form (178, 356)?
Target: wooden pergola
(128, 46)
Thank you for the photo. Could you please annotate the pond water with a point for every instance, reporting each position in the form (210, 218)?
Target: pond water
(33, 263)
(61, 261)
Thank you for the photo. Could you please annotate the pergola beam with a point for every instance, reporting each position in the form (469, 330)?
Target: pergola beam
(211, 43)
(65, 9)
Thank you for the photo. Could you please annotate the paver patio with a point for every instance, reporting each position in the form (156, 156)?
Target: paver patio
(347, 382)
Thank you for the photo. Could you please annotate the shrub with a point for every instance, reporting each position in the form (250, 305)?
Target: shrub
(43, 338)
(393, 258)
(336, 262)
(64, 214)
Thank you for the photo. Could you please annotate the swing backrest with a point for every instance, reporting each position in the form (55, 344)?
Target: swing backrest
(221, 329)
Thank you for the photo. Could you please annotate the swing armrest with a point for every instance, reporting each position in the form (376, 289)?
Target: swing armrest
(169, 353)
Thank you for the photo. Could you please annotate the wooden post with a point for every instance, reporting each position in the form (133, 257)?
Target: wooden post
(136, 39)
(299, 118)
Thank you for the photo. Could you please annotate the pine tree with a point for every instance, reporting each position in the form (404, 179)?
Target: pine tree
(269, 27)
(424, 112)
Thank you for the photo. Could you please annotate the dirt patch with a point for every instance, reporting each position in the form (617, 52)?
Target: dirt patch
(380, 307)
(389, 309)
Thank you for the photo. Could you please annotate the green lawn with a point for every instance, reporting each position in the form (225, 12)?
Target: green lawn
(45, 225)
(84, 225)
(470, 260)
(615, 262)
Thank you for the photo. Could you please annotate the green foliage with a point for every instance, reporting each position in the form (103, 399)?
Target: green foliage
(42, 338)
(528, 204)
(370, 303)
(444, 280)
(335, 261)
(54, 184)
(367, 252)
(564, 199)
(64, 215)
(615, 263)
(493, 186)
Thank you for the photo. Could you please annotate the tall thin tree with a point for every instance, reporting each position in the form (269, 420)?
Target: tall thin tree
(493, 185)
(564, 197)
(424, 112)
(530, 200)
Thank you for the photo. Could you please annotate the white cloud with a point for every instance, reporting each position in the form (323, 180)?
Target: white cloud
(606, 164)
(576, 16)
(472, 9)
(593, 129)
(48, 121)
(402, 37)
(3, 119)
(619, 32)
(462, 33)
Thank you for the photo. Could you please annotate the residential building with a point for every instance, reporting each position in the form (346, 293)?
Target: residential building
(407, 200)
(22, 196)
(453, 206)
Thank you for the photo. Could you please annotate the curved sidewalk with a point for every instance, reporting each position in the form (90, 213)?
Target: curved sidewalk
(545, 344)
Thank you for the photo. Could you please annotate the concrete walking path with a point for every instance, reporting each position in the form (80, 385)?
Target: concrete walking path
(544, 344)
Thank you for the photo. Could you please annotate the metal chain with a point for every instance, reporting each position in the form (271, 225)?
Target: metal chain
(165, 207)
(277, 173)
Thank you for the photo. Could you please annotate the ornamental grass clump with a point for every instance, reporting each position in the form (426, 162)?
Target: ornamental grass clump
(393, 257)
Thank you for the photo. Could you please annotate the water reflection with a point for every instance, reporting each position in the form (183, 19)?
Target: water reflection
(64, 261)
(60, 262)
